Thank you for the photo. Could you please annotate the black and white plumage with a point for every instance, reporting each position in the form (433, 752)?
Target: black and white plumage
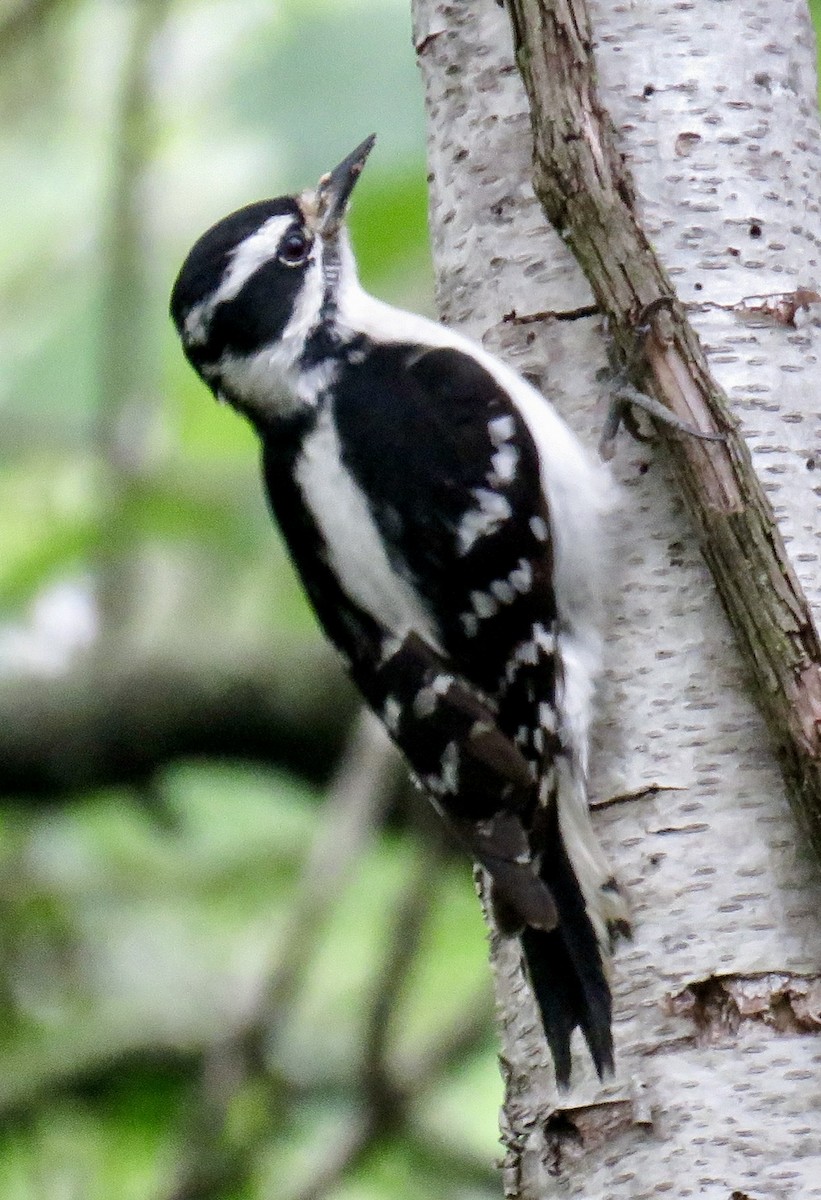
(444, 521)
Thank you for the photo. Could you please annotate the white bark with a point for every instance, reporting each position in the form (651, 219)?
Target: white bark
(717, 997)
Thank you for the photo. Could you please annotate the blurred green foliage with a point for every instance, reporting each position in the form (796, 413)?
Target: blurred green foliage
(131, 516)
(134, 948)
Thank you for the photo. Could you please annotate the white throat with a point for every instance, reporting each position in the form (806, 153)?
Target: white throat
(269, 383)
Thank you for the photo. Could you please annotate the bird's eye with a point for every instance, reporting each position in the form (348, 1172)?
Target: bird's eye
(294, 249)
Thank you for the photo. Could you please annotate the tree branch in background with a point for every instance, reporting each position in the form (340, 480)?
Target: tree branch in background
(117, 719)
(585, 188)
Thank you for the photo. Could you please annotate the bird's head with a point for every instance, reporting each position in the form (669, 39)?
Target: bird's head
(261, 281)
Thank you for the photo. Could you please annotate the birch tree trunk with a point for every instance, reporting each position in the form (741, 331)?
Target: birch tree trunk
(718, 997)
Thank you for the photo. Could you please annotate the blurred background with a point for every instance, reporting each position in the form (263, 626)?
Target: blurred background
(236, 959)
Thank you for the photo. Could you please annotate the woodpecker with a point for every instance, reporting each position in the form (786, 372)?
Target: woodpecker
(445, 524)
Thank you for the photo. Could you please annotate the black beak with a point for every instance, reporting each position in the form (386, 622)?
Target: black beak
(334, 189)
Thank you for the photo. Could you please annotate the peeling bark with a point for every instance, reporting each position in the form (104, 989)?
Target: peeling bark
(717, 122)
(719, 1007)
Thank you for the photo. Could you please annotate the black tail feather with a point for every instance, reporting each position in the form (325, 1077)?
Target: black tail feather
(566, 970)
(566, 1000)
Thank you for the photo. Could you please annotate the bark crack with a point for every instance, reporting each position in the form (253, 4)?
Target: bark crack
(555, 314)
(643, 793)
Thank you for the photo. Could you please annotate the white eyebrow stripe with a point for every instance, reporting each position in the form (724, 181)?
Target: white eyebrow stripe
(245, 260)
(250, 255)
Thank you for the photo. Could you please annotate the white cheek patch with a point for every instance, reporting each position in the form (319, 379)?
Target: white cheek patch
(270, 382)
